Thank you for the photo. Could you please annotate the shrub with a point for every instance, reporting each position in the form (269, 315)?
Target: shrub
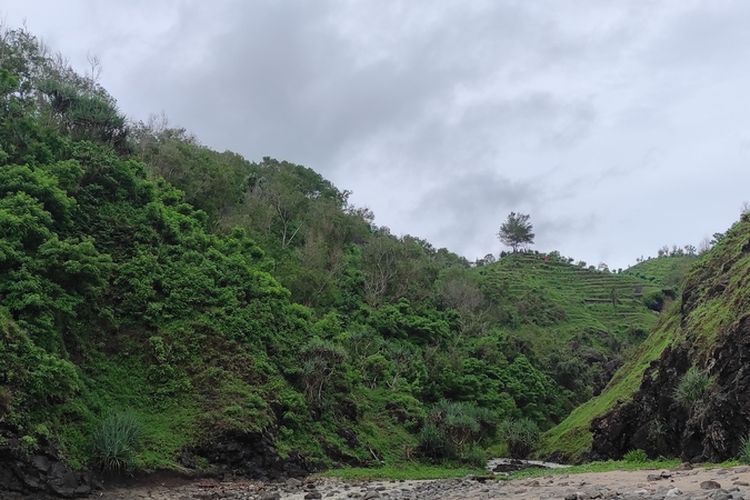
(6, 399)
(476, 456)
(635, 457)
(29, 443)
(452, 426)
(521, 436)
(691, 388)
(433, 442)
(115, 440)
(654, 300)
(407, 410)
(744, 455)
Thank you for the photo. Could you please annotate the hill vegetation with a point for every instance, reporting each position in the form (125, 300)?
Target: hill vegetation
(666, 271)
(692, 401)
(167, 306)
(641, 407)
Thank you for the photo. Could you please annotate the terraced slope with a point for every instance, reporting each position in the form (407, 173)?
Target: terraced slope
(666, 271)
(574, 323)
(560, 302)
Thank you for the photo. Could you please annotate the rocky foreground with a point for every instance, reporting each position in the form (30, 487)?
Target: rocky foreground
(686, 483)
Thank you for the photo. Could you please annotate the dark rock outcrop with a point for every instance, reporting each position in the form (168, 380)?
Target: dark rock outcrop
(253, 455)
(38, 474)
(709, 431)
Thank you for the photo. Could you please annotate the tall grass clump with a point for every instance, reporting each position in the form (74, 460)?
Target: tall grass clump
(691, 388)
(115, 440)
(744, 455)
(452, 428)
(635, 457)
(521, 436)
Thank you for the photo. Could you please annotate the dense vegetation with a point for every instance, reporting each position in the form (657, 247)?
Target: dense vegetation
(161, 301)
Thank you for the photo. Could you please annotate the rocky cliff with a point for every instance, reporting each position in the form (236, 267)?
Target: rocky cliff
(694, 400)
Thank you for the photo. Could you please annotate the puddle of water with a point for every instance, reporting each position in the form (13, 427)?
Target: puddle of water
(506, 465)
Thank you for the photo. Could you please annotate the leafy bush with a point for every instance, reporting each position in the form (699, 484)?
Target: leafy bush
(476, 456)
(691, 388)
(635, 457)
(6, 399)
(452, 426)
(434, 443)
(115, 440)
(406, 409)
(654, 300)
(29, 443)
(521, 436)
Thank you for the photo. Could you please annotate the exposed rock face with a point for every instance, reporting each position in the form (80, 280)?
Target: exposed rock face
(38, 474)
(254, 456)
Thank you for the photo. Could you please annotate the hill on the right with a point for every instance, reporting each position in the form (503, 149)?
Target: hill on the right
(686, 389)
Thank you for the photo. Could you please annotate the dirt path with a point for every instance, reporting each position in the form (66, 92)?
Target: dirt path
(718, 484)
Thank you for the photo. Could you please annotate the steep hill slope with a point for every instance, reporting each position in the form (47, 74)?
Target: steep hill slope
(667, 271)
(702, 329)
(693, 402)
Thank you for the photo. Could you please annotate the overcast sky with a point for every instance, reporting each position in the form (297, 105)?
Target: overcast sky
(619, 126)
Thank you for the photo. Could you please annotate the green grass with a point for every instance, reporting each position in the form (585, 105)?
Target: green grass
(405, 471)
(117, 385)
(665, 271)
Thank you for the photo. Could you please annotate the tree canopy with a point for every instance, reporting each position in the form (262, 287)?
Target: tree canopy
(516, 232)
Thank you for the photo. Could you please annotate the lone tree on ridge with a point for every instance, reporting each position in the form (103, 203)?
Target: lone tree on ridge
(516, 232)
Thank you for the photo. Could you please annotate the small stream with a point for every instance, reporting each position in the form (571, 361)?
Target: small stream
(507, 465)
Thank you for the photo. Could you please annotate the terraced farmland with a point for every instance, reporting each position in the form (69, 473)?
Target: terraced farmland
(560, 303)
(665, 271)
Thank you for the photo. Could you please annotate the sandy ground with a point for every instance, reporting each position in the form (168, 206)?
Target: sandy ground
(726, 484)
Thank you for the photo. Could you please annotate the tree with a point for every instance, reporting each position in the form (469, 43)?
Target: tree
(516, 231)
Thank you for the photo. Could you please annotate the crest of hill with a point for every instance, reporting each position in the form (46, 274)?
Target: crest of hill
(667, 271)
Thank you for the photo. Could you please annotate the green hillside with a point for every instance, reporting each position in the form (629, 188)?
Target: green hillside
(165, 306)
(574, 313)
(571, 439)
(693, 402)
(666, 271)
(169, 307)
(713, 300)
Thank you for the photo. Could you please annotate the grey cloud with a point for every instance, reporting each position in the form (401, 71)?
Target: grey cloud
(620, 126)
(468, 206)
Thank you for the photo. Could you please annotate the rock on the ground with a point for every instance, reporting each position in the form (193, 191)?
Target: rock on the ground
(710, 485)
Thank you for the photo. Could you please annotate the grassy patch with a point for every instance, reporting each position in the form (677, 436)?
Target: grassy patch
(410, 470)
(665, 271)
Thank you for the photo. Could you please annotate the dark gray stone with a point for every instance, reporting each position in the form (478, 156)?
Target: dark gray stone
(710, 485)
